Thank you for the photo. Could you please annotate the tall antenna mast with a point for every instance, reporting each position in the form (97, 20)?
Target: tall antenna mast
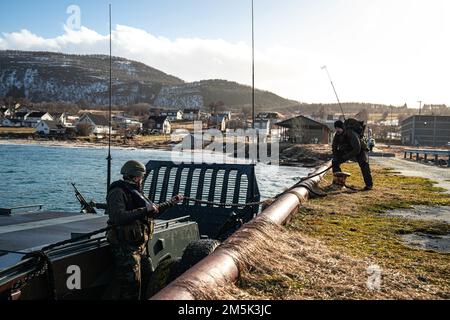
(253, 67)
(110, 100)
(334, 89)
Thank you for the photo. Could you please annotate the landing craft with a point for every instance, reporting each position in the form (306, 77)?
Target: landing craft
(56, 255)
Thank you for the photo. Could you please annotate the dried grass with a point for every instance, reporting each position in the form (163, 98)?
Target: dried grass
(281, 264)
(326, 251)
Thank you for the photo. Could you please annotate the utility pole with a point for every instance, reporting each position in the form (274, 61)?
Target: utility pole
(392, 124)
(420, 107)
(253, 67)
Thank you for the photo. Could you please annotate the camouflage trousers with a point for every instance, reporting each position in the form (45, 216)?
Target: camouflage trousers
(132, 271)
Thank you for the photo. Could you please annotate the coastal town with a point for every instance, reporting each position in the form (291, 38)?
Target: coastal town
(161, 128)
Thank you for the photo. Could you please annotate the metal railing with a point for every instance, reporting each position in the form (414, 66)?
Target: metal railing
(426, 153)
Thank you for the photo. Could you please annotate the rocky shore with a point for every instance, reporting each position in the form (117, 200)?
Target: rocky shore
(310, 155)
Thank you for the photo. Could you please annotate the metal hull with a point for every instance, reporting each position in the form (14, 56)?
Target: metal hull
(91, 256)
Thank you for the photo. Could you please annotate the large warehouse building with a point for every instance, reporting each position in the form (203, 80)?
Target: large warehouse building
(432, 131)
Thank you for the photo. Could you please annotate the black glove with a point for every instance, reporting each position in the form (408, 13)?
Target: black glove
(166, 205)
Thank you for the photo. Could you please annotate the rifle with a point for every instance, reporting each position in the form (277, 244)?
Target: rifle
(86, 207)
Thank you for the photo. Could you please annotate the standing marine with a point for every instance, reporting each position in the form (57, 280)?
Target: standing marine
(132, 214)
(347, 146)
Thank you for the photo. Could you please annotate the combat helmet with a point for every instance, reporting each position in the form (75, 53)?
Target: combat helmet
(133, 168)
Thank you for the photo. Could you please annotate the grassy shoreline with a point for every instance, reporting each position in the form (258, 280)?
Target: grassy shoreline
(325, 251)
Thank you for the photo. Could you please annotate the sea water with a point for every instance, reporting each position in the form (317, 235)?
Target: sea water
(40, 174)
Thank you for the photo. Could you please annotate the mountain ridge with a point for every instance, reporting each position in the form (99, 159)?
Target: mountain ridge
(43, 76)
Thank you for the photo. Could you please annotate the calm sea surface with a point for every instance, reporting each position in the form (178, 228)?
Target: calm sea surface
(35, 174)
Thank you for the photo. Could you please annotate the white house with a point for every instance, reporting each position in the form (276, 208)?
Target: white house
(218, 122)
(71, 121)
(191, 114)
(127, 123)
(160, 124)
(60, 118)
(263, 126)
(390, 123)
(32, 119)
(50, 127)
(226, 115)
(172, 115)
(98, 124)
(9, 113)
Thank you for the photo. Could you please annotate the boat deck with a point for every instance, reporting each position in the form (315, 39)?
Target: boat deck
(29, 231)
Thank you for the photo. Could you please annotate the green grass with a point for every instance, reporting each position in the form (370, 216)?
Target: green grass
(357, 223)
(325, 251)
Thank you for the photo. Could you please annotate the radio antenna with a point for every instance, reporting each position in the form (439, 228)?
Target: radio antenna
(334, 89)
(253, 66)
(109, 158)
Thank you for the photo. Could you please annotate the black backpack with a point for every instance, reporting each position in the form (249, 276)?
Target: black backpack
(359, 128)
(356, 126)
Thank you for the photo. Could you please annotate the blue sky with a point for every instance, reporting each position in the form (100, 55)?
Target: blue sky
(229, 20)
(381, 51)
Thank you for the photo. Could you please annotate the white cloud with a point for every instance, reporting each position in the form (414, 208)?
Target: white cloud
(191, 59)
(25, 40)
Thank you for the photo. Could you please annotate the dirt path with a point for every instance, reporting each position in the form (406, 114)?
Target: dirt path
(413, 169)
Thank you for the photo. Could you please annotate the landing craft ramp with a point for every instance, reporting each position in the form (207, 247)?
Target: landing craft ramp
(222, 191)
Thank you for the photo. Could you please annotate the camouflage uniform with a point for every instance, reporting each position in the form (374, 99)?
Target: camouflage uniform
(129, 240)
(132, 270)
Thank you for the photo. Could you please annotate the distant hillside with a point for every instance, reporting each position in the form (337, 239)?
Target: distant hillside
(84, 79)
(239, 95)
(232, 94)
(44, 76)
(348, 107)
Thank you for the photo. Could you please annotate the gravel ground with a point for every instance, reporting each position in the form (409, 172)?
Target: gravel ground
(442, 177)
(414, 169)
